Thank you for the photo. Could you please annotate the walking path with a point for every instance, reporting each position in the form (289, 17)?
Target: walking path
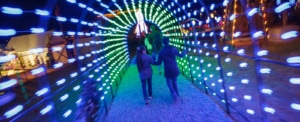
(129, 106)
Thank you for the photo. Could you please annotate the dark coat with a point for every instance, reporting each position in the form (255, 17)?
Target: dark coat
(145, 69)
(167, 55)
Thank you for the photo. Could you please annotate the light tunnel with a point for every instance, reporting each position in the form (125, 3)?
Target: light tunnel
(59, 56)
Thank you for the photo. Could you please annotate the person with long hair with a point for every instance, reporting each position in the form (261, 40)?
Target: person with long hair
(144, 61)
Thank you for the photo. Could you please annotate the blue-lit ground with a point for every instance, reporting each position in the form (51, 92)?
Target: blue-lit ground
(129, 106)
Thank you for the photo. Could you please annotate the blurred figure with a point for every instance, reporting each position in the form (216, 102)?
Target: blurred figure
(143, 62)
(155, 40)
(168, 55)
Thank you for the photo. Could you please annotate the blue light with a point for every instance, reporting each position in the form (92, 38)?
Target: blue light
(7, 58)
(56, 48)
(252, 12)
(64, 97)
(70, 46)
(202, 9)
(74, 20)
(70, 33)
(37, 71)
(71, 1)
(212, 6)
(57, 33)
(42, 92)
(237, 34)
(295, 59)
(58, 65)
(13, 111)
(7, 32)
(282, 7)
(61, 19)
(76, 88)
(81, 5)
(74, 74)
(14, 11)
(71, 60)
(41, 12)
(290, 34)
(36, 50)
(67, 113)
(295, 81)
(225, 2)
(295, 106)
(7, 84)
(62, 81)
(37, 30)
(258, 34)
(232, 17)
(46, 109)
(262, 53)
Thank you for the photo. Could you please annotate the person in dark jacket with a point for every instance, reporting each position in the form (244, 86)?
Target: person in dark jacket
(143, 61)
(168, 55)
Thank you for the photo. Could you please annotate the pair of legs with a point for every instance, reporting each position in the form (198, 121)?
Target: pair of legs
(172, 84)
(147, 82)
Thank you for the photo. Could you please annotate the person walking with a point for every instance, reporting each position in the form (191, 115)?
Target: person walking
(155, 40)
(168, 55)
(144, 62)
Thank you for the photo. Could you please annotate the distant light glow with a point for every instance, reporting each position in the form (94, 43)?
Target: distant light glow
(71, 1)
(244, 64)
(252, 11)
(295, 59)
(13, 111)
(36, 50)
(41, 12)
(66, 114)
(234, 99)
(56, 48)
(7, 84)
(41, 92)
(7, 32)
(7, 58)
(37, 71)
(61, 19)
(241, 51)
(288, 35)
(262, 53)
(57, 65)
(245, 81)
(258, 34)
(57, 33)
(64, 97)
(71, 60)
(295, 106)
(10, 10)
(237, 34)
(295, 80)
(266, 91)
(232, 17)
(270, 110)
(282, 7)
(225, 2)
(76, 88)
(60, 81)
(247, 97)
(265, 71)
(46, 109)
(74, 74)
(249, 111)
